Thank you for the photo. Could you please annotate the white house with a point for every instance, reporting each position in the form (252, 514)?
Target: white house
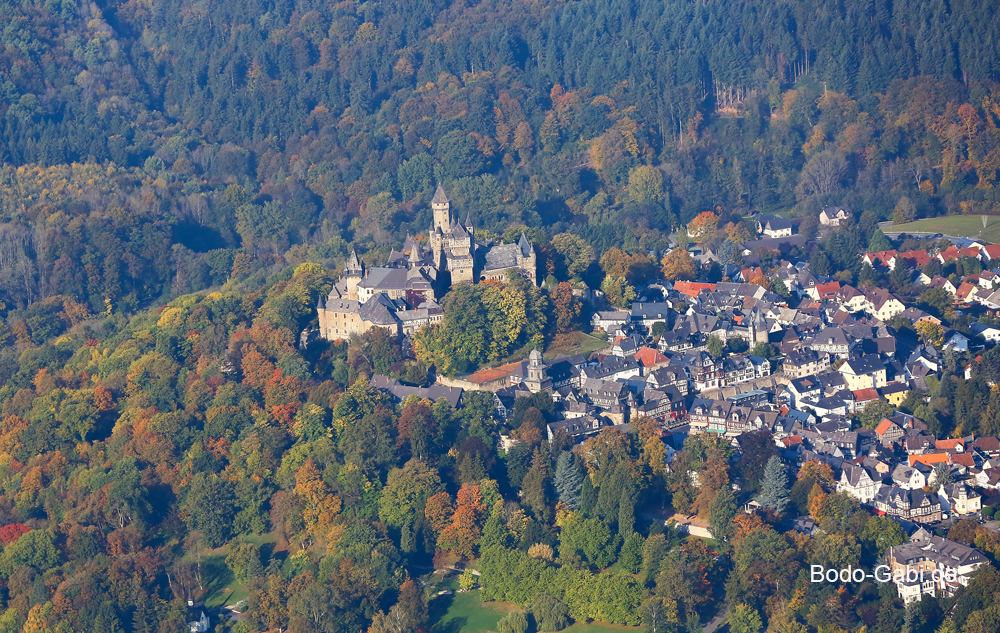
(609, 320)
(908, 477)
(855, 481)
(834, 216)
(989, 332)
(958, 499)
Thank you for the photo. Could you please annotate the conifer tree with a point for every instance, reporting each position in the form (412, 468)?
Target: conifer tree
(535, 489)
(568, 480)
(774, 486)
(721, 513)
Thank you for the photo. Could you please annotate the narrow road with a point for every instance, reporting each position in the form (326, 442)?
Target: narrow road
(716, 621)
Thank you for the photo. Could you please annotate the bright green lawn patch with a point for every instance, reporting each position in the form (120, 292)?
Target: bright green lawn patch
(466, 613)
(956, 225)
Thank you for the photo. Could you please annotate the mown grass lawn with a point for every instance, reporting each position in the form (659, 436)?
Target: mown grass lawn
(467, 613)
(957, 225)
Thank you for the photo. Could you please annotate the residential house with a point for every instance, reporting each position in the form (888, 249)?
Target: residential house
(761, 366)
(958, 499)
(802, 389)
(610, 320)
(606, 394)
(804, 362)
(705, 371)
(738, 369)
(646, 314)
(879, 259)
(864, 373)
(888, 432)
(575, 427)
(989, 333)
(863, 396)
(954, 564)
(991, 252)
(915, 260)
(908, 477)
(612, 368)
(773, 226)
(953, 252)
(894, 393)
(626, 345)
(882, 304)
(909, 505)
(669, 376)
(676, 341)
(834, 341)
(857, 482)
(650, 359)
(834, 216)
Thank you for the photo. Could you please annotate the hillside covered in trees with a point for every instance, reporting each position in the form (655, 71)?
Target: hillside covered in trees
(152, 149)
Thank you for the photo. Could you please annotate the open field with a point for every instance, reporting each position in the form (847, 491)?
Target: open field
(956, 225)
(466, 613)
(574, 343)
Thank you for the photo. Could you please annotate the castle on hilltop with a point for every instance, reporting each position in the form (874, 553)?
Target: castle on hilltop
(401, 294)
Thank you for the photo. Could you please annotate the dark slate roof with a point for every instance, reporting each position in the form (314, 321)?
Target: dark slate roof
(401, 392)
(501, 256)
(378, 310)
(439, 196)
(866, 365)
(576, 426)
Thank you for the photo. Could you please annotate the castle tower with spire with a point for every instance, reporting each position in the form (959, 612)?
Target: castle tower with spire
(354, 272)
(441, 207)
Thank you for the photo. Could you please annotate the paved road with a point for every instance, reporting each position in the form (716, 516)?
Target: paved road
(716, 621)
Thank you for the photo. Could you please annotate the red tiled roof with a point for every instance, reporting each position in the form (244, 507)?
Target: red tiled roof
(864, 395)
(490, 374)
(963, 459)
(828, 289)
(880, 257)
(930, 459)
(992, 250)
(946, 444)
(692, 288)
(649, 357)
(883, 426)
(965, 290)
(915, 259)
(954, 253)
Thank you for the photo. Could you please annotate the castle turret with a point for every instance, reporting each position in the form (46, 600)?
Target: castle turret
(354, 272)
(321, 316)
(442, 209)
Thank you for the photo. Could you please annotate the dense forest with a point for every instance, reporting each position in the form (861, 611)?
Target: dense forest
(152, 149)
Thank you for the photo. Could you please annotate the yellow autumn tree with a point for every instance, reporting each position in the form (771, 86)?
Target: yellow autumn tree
(678, 264)
(654, 451)
(321, 506)
(702, 226)
(39, 617)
